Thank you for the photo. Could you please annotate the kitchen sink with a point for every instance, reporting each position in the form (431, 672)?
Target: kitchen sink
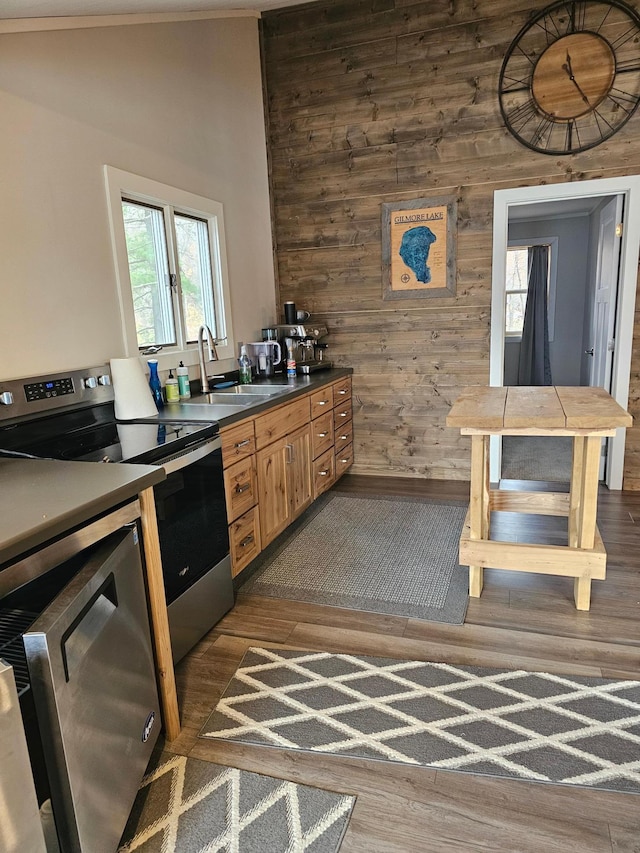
(220, 399)
(254, 390)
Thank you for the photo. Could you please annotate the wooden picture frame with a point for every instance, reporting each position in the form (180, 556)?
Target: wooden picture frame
(418, 248)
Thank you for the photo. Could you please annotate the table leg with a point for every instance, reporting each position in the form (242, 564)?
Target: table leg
(582, 593)
(589, 503)
(583, 505)
(575, 496)
(479, 512)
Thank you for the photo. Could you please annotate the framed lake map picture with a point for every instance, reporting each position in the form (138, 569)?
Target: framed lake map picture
(418, 248)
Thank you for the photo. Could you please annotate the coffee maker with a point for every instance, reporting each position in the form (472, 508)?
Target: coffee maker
(306, 345)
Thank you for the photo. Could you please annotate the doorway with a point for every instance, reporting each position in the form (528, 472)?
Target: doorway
(539, 203)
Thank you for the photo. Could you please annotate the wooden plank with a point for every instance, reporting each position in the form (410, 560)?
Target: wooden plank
(158, 614)
(589, 492)
(592, 408)
(533, 407)
(540, 559)
(538, 503)
(478, 406)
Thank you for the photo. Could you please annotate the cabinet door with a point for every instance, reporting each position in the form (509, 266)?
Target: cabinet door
(300, 475)
(240, 487)
(273, 488)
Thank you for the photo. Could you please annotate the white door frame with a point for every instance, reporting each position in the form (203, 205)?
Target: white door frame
(629, 186)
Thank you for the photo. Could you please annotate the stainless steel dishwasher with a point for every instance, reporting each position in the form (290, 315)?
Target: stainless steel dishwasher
(88, 695)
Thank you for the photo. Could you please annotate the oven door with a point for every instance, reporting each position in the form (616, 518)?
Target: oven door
(192, 516)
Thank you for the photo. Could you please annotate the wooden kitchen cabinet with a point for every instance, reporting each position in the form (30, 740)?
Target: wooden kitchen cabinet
(244, 540)
(284, 482)
(343, 426)
(240, 487)
(276, 463)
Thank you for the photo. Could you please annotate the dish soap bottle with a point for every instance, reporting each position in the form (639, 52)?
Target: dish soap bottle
(184, 386)
(154, 383)
(172, 388)
(245, 366)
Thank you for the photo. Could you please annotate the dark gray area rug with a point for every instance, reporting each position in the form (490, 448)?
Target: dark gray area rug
(534, 457)
(527, 725)
(190, 806)
(380, 555)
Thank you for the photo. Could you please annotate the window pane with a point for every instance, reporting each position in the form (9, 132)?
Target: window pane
(516, 303)
(149, 273)
(517, 269)
(194, 262)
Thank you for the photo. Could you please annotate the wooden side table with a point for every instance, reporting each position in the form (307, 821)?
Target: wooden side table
(586, 414)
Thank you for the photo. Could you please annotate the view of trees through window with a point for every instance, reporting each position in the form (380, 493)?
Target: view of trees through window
(516, 290)
(168, 294)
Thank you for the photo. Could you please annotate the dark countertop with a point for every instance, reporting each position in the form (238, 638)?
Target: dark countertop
(198, 409)
(42, 498)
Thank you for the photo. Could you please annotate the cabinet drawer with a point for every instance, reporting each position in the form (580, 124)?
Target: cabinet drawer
(321, 434)
(240, 487)
(344, 460)
(238, 441)
(244, 540)
(341, 415)
(343, 435)
(341, 390)
(323, 472)
(275, 424)
(321, 401)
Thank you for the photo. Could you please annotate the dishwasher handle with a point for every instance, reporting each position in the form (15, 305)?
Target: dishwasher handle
(88, 625)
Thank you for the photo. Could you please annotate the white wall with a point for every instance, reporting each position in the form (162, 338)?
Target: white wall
(565, 350)
(180, 103)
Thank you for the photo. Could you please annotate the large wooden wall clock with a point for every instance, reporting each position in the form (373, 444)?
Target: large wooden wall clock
(571, 77)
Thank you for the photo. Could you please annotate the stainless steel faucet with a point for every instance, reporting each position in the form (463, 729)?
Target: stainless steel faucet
(205, 332)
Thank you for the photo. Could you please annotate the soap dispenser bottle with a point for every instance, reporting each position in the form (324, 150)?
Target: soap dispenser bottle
(172, 389)
(184, 386)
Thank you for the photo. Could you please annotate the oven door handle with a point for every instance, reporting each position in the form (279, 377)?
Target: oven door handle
(191, 455)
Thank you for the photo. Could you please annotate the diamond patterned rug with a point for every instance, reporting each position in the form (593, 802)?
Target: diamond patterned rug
(528, 725)
(190, 806)
(349, 551)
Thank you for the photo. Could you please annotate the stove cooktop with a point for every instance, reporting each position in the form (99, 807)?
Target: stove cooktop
(94, 435)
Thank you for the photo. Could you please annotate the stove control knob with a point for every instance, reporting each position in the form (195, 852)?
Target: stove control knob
(6, 398)
(90, 382)
(104, 380)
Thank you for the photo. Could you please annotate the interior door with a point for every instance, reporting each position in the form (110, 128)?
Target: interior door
(604, 306)
(606, 287)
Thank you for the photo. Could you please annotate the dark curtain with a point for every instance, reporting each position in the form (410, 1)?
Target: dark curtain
(534, 366)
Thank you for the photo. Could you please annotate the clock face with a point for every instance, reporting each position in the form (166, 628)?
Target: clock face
(571, 77)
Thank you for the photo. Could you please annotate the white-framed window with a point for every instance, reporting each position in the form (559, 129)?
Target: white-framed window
(171, 267)
(517, 283)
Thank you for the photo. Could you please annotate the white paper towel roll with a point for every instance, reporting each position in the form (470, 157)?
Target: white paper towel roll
(132, 395)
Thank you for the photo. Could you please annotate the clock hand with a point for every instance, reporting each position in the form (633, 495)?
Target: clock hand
(566, 66)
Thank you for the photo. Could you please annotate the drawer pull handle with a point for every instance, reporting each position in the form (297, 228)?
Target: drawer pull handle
(322, 402)
(344, 461)
(243, 443)
(343, 437)
(323, 473)
(322, 434)
(247, 541)
(343, 414)
(289, 453)
(342, 391)
(241, 489)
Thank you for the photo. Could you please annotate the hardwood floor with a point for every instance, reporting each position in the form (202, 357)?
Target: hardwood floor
(521, 620)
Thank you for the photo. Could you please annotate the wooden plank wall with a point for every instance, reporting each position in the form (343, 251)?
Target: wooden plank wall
(385, 100)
